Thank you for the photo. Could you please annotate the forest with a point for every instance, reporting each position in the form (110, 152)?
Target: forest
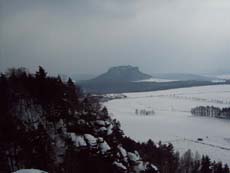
(211, 111)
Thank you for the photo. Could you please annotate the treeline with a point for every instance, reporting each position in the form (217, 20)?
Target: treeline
(144, 112)
(211, 111)
(49, 124)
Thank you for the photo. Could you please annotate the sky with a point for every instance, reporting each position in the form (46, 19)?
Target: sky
(89, 36)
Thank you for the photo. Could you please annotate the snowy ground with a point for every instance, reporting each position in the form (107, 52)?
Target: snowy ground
(156, 80)
(30, 171)
(173, 122)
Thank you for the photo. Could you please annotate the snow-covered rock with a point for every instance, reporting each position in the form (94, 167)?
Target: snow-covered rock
(107, 123)
(78, 140)
(100, 122)
(29, 112)
(133, 157)
(119, 165)
(122, 151)
(103, 146)
(81, 122)
(110, 129)
(140, 167)
(30, 171)
(102, 129)
(91, 140)
(154, 167)
(144, 166)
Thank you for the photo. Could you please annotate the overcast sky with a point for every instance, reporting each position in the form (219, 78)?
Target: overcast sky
(89, 36)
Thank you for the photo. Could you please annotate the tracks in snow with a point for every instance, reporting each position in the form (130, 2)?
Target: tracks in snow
(199, 142)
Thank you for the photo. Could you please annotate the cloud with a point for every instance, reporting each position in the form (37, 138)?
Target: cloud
(88, 36)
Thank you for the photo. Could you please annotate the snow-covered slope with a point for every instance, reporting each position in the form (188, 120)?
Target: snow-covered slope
(30, 171)
(173, 122)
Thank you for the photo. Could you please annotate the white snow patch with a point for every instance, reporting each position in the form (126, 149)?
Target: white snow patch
(104, 147)
(154, 167)
(91, 140)
(30, 171)
(119, 165)
(122, 151)
(218, 81)
(140, 167)
(156, 80)
(78, 140)
(134, 157)
(102, 129)
(100, 122)
(110, 129)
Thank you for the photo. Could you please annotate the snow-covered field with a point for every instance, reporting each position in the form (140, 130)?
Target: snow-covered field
(156, 80)
(173, 121)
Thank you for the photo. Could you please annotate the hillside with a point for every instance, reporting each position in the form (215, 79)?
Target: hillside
(121, 74)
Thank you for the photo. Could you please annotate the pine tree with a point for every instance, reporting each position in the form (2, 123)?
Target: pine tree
(41, 73)
(205, 165)
(226, 169)
(219, 168)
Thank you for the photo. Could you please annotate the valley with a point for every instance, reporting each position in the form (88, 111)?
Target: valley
(173, 122)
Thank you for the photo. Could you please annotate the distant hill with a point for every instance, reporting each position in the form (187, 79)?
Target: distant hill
(184, 77)
(130, 79)
(121, 74)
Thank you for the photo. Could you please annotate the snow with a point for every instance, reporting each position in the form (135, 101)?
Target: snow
(104, 147)
(140, 167)
(30, 171)
(119, 165)
(78, 140)
(102, 129)
(218, 81)
(173, 121)
(154, 167)
(91, 140)
(100, 122)
(155, 80)
(110, 129)
(134, 157)
(122, 151)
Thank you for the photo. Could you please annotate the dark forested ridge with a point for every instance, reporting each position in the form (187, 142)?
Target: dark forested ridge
(51, 125)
